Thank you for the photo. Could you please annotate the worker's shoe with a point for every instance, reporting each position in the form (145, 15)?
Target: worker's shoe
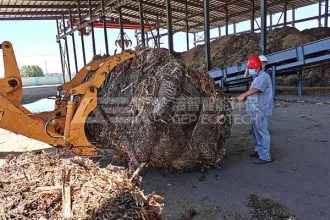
(260, 161)
(255, 155)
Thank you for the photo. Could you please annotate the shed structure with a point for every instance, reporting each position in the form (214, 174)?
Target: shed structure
(190, 16)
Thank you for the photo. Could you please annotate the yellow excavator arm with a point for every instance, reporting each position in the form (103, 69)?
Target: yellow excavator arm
(65, 126)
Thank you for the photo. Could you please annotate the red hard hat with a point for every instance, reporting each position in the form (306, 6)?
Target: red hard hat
(254, 62)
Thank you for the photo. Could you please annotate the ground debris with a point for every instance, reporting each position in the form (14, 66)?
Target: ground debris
(287, 102)
(189, 214)
(280, 103)
(268, 209)
(31, 188)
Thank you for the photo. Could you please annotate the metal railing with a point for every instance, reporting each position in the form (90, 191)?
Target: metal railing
(285, 62)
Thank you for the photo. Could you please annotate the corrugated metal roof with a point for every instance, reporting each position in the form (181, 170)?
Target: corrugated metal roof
(239, 10)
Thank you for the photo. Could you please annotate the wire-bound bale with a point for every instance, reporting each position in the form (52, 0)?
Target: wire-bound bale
(157, 111)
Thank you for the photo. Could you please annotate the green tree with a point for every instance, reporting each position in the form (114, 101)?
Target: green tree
(31, 71)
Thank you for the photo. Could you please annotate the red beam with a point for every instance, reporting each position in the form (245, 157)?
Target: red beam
(129, 26)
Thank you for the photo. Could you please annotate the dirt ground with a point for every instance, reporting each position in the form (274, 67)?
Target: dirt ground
(299, 177)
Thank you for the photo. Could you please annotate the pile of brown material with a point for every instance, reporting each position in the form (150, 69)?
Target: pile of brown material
(268, 209)
(157, 111)
(31, 188)
(235, 49)
(225, 51)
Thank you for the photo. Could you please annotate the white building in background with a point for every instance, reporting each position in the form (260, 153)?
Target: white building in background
(52, 74)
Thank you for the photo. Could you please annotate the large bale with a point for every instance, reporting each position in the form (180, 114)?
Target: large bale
(157, 111)
(31, 188)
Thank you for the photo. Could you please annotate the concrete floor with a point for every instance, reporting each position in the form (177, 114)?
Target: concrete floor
(299, 178)
(35, 93)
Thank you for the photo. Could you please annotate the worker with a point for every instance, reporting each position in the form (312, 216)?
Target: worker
(259, 107)
(264, 62)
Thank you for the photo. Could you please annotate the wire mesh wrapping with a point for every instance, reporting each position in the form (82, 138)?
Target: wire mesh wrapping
(157, 111)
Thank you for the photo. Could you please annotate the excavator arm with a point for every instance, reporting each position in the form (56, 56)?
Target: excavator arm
(65, 126)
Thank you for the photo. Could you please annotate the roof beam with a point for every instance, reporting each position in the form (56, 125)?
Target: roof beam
(107, 3)
(239, 4)
(66, 1)
(221, 7)
(154, 13)
(32, 13)
(149, 19)
(162, 7)
(44, 6)
(192, 4)
(233, 15)
(31, 18)
(120, 3)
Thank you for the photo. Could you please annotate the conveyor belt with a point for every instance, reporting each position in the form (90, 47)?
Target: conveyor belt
(285, 62)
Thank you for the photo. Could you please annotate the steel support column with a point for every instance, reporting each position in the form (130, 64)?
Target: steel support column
(300, 82)
(252, 16)
(61, 52)
(121, 30)
(219, 30)
(81, 35)
(158, 34)
(92, 26)
(66, 47)
(227, 19)
(320, 13)
(293, 17)
(274, 81)
(234, 27)
(147, 41)
(187, 24)
(263, 40)
(195, 43)
(207, 34)
(270, 21)
(326, 19)
(169, 25)
(285, 11)
(105, 30)
(142, 23)
(73, 43)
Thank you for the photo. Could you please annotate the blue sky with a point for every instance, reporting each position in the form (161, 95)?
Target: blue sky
(35, 41)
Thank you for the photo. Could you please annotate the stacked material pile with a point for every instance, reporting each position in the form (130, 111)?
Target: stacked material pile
(157, 111)
(32, 187)
(224, 51)
(235, 49)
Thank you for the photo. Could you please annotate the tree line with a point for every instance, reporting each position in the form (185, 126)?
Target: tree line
(31, 71)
